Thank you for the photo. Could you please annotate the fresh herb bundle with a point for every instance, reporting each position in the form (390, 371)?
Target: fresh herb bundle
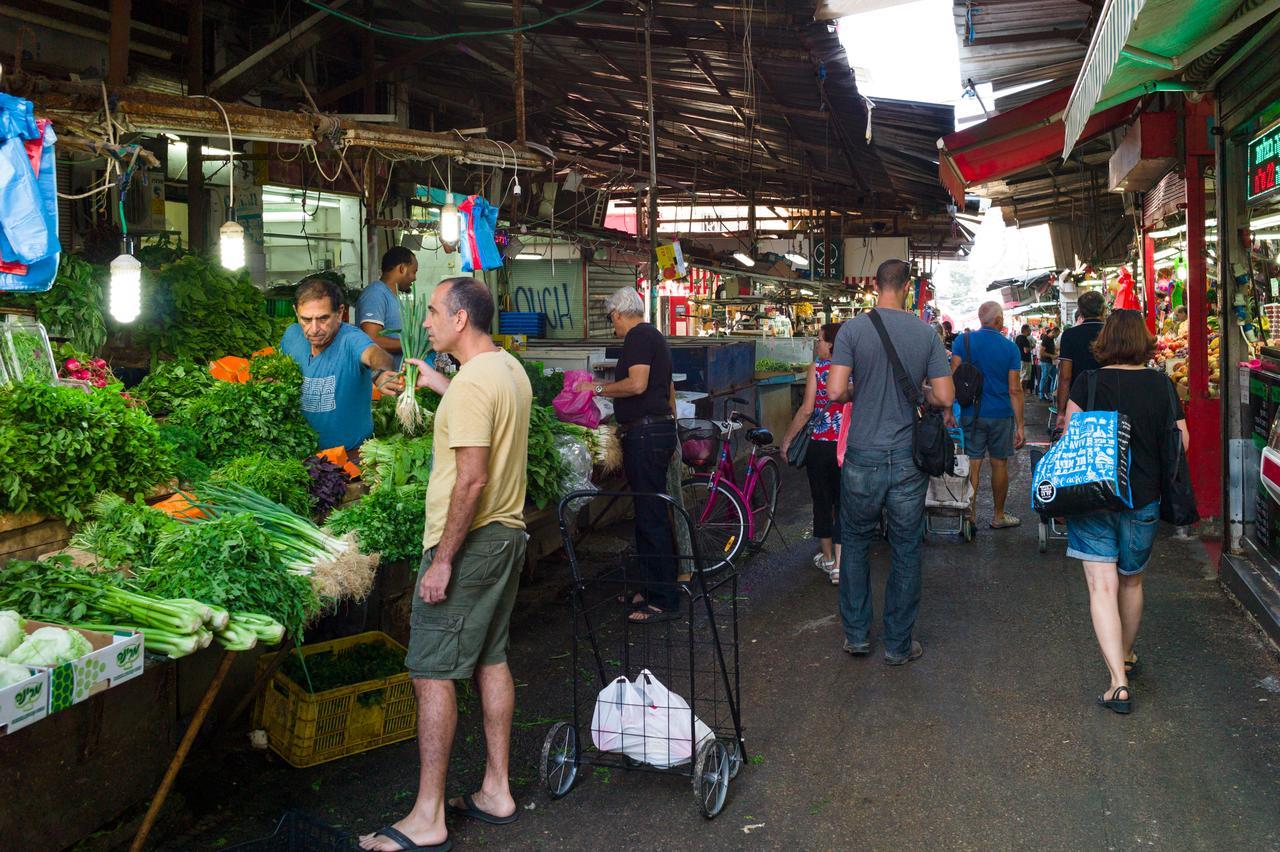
(194, 308)
(545, 470)
(123, 534)
(545, 387)
(171, 383)
(328, 485)
(74, 307)
(284, 481)
(276, 367)
(240, 419)
(396, 461)
(327, 670)
(414, 343)
(184, 446)
(388, 521)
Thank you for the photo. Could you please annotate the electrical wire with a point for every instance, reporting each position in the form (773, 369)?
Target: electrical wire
(418, 37)
(231, 155)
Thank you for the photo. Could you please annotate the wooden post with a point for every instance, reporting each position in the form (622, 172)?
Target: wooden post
(517, 45)
(118, 43)
(197, 202)
(368, 63)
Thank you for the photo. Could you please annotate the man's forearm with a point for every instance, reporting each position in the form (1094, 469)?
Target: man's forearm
(462, 511)
(390, 344)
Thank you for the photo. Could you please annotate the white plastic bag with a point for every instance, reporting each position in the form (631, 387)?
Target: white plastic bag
(618, 719)
(667, 739)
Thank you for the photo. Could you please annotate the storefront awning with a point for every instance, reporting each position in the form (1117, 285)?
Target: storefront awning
(1142, 46)
(1013, 141)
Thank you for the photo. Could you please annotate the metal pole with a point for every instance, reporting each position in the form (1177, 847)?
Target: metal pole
(197, 201)
(517, 46)
(653, 168)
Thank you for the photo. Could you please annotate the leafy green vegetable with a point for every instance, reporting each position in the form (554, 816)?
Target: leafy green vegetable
(276, 367)
(772, 365)
(331, 669)
(51, 646)
(184, 446)
(171, 383)
(388, 520)
(123, 534)
(545, 469)
(545, 388)
(240, 419)
(193, 308)
(385, 421)
(74, 307)
(10, 631)
(62, 446)
(11, 673)
(396, 461)
(284, 481)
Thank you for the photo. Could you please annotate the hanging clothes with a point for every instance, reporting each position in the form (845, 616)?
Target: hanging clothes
(29, 245)
(1126, 292)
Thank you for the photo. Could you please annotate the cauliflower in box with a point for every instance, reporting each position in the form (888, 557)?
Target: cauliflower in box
(51, 646)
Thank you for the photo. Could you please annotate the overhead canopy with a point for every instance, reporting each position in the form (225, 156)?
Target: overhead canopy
(1141, 44)
(1015, 140)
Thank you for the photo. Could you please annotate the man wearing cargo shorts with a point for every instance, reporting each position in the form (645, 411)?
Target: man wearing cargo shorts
(473, 551)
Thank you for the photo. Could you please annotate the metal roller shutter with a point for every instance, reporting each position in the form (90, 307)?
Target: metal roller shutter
(534, 287)
(602, 281)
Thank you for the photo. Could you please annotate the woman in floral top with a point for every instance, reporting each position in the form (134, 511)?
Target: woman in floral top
(820, 463)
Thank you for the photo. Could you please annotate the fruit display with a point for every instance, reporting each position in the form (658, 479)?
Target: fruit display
(1172, 351)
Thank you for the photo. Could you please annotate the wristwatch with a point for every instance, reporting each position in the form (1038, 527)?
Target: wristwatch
(599, 389)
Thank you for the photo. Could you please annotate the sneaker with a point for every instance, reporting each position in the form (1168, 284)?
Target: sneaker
(916, 652)
(835, 576)
(861, 649)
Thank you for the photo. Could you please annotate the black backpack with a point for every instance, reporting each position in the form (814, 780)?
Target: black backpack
(968, 379)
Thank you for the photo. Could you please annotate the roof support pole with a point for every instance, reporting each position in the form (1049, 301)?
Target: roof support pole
(517, 50)
(1203, 413)
(653, 167)
(118, 42)
(197, 202)
(1149, 277)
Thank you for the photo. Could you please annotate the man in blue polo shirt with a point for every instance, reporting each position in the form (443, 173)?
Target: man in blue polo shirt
(340, 366)
(993, 426)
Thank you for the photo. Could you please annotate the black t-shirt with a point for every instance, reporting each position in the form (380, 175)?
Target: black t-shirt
(1076, 343)
(1024, 347)
(644, 344)
(1143, 397)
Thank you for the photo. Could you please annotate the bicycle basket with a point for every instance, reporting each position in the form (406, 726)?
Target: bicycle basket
(699, 440)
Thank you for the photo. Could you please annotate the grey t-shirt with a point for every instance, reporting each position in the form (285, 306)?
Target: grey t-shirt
(882, 419)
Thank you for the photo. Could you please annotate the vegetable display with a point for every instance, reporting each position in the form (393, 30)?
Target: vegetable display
(284, 481)
(328, 485)
(396, 461)
(414, 344)
(241, 419)
(11, 673)
(276, 367)
(184, 447)
(170, 384)
(10, 632)
(388, 521)
(50, 646)
(193, 308)
(122, 534)
(545, 387)
(74, 307)
(63, 446)
(327, 670)
(545, 469)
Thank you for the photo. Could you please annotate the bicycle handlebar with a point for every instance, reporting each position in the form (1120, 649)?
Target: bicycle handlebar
(740, 416)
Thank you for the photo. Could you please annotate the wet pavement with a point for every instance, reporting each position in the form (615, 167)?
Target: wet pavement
(991, 740)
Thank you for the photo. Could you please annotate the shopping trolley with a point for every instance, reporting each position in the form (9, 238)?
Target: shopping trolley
(950, 496)
(1048, 528)
(694, 656)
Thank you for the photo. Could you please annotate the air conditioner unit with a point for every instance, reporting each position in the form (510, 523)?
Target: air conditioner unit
(1148, 152)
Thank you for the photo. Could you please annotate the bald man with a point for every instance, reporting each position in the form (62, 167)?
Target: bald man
(993, 426)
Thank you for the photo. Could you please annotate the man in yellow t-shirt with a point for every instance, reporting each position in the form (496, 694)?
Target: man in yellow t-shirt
(473, 552)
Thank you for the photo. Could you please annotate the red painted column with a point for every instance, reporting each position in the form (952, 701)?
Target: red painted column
(1149, 278)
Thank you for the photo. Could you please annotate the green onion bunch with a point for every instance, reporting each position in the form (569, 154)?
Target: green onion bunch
(414, 343)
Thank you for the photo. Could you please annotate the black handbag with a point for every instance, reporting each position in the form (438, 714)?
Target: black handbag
(798, 451)
(1177, 500)
(932, 449)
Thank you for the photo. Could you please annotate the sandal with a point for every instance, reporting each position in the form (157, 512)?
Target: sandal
(822, 563)
(1115, 703)
(650, 614)
(1132, 667)
(628, 599)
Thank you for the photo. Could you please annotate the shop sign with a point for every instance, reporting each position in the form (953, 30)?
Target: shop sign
(1263, 158)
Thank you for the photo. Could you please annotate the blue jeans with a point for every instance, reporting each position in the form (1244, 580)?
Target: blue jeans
(1048, 378)
(875, 482)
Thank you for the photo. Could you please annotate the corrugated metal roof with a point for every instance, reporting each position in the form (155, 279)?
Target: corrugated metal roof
(1007, 42)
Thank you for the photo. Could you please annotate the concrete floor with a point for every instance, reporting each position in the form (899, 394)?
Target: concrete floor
(992, 740)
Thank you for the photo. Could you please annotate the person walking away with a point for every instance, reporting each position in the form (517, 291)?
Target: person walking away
(948, 336)
(1115, 546)
(1025, 346)
(340, 366)
(879, 476)
(1075, 354)
(820, 461)
(378, 308)
(1048, 369)
(644, 406)
(993, 425)
(473, 552)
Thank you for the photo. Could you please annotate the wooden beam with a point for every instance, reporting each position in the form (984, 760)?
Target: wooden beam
(118, 42)
(517, 55)
(226, 77)
(372, 73)
(197, 202)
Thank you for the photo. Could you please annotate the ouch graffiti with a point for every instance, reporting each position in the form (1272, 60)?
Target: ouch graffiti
(552, 300)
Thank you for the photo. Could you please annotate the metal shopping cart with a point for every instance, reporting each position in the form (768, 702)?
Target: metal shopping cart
(1048, 528)
(950, 496)
(694, 656)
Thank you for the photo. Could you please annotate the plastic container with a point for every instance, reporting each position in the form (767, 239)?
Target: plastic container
(24, 347)
(306, 729)
(298, 833)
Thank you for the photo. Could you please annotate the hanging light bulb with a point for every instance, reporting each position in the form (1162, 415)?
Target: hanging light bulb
(1182, 271)
(231, 245)
(450, 222)
(126, 286)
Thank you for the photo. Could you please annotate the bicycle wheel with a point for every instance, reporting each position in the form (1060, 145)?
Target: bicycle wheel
(764, 501)
(719, 521)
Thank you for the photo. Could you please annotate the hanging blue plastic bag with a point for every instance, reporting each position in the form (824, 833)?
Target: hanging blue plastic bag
(1087, 469)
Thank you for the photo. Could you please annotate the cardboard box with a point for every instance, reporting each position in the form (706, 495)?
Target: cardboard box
(116, 658)
(512, 342)
(24, 702)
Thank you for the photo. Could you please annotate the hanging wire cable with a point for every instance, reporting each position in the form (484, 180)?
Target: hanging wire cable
(381, 30)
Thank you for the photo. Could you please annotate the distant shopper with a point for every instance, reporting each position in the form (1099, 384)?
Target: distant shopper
(879, 477)
(1048, 367)
(340, 366)
(948, 336)
(378, 308)
(1075, 355)
(1116, 546)
(993, 426)
(644, 405)
(1025, 347)
(820, 462)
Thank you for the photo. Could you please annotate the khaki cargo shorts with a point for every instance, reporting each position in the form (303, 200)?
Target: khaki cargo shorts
(470, 627)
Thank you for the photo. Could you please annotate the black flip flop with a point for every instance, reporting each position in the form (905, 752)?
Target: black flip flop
(653, 615)
(1114, 703)
(407, 844)
(470, 811)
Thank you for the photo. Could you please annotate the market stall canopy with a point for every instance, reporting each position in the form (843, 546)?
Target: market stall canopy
(1015, 140)
(1144, 46)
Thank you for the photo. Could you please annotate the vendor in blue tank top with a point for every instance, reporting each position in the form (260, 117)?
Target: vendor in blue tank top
(340, 366)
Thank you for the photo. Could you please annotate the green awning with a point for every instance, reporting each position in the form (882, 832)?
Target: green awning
(1145, 46)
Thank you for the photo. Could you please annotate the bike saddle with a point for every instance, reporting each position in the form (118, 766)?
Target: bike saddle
(760, 437)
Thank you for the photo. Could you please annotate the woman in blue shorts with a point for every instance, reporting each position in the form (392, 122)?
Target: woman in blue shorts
(1116, 546)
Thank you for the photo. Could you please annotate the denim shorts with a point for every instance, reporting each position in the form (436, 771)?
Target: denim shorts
(988, 436)
(1125, 538)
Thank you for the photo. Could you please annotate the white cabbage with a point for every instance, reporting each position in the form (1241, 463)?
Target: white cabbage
(10, 631)
(51, 646)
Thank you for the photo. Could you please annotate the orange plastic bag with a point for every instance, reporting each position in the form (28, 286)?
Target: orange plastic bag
(230, 369)
(179, 506)
(338, 455)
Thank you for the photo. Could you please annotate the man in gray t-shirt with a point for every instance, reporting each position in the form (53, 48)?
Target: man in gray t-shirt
(879, 477)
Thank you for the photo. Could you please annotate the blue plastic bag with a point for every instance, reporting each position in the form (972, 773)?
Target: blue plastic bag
(28, 203)
(1087, 470)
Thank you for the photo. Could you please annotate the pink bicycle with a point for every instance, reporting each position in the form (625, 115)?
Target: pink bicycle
(727, 516)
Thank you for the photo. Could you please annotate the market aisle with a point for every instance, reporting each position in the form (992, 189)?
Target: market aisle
(991, 740)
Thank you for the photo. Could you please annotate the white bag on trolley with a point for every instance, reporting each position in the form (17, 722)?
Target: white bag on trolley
(646, 721)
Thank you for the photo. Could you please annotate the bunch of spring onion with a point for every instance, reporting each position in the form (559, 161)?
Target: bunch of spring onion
(413, 344)
(602, 441)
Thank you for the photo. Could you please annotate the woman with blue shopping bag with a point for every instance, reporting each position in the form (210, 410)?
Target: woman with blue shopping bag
(1115, 542)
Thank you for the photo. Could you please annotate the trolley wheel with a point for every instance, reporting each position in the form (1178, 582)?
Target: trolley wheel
(559, 767)
(967, 529)
(1043, 536)
(735, 759)
(711, 772)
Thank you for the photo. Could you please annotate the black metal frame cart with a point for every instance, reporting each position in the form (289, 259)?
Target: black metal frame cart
(682, 714)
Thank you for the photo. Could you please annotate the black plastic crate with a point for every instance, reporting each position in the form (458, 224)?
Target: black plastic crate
(299, 833)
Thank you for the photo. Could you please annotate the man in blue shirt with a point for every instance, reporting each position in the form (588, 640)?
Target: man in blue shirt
(340, 366)
(378, 308)
(993, 426)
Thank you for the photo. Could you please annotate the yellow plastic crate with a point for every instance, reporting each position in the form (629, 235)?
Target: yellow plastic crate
(307, 729)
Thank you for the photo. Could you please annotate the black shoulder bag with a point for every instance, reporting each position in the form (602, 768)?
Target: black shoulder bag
(932, 448)
(1177, 500)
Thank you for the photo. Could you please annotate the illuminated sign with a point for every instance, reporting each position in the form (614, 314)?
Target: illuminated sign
(1263, 158)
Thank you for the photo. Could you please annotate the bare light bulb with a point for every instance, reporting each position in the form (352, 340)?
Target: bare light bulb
(126, 288)
(231, 245)
(450, 223)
